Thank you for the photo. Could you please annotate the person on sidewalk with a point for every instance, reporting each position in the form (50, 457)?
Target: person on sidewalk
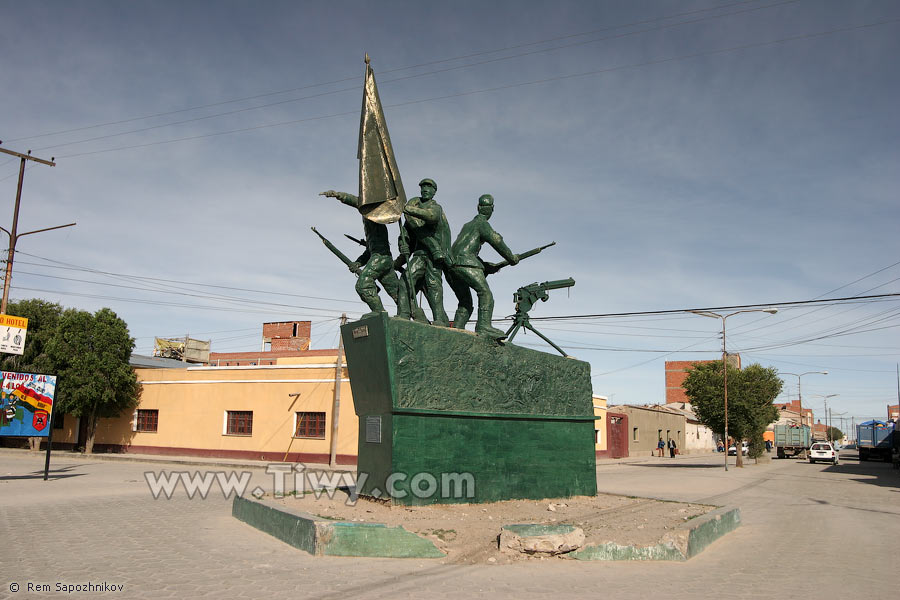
(659, 446)
(672, 447)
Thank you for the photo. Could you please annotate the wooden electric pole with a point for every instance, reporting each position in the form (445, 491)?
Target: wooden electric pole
(13, 236)
(336, 402)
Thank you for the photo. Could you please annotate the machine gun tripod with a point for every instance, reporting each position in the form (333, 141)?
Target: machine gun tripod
(525, 298)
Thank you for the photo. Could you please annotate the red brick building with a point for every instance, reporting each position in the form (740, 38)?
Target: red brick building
(677, 370)
(282, 339)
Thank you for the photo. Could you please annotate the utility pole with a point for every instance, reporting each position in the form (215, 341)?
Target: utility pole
(13, 236)
(336, 404)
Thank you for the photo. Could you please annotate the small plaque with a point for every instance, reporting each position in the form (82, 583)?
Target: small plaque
(360, 332)
(373, 430)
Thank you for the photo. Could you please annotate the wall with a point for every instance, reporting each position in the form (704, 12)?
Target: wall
(648, 422)
(192, 404)
(600, 430)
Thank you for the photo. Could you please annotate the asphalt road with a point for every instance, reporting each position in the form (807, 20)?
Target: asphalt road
(808, 531)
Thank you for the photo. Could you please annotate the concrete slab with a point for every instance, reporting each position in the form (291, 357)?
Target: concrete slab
(679, 545)
(322, 537)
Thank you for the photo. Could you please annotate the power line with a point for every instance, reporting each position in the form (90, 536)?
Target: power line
(406, 68)
(499, 88)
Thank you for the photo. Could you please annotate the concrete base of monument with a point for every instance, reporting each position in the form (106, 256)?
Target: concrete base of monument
(482, 422)
(602, 527)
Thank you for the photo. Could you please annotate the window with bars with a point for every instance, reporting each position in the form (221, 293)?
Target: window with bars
(147, 420)
(239, 422)
(310, 425)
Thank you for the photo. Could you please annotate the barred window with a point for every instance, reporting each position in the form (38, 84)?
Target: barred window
(147, 420)
(240, 422)
(310, 425)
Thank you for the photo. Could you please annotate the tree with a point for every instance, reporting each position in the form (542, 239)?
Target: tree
(91, 354)
(43, 318)
(834, 434)
(750, 395)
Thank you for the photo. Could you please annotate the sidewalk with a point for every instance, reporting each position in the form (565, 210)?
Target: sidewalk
(163, 459)
(261, 464)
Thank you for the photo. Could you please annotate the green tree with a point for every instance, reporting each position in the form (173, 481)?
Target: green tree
(834, 434)
(43, 318)
(750, 394)
(92, 353)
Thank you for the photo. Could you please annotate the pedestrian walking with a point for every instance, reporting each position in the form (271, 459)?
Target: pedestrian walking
(672, 447)
(660, 445)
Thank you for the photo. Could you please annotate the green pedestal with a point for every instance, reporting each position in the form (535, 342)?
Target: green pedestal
(447, 416)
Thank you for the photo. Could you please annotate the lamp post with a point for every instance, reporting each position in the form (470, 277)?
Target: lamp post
(713, 315)
(825, 399)
(800, 395)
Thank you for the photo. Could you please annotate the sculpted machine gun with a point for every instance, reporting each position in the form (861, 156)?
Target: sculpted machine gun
(525, 298)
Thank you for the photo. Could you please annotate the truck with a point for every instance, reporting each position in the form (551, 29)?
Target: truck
(874, 439)
(791, 440)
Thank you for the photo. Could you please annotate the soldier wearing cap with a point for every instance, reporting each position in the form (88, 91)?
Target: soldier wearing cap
(467, 272)
(425, 242)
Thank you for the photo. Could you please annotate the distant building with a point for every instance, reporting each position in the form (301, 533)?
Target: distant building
(677, 372)
(281, 339)
(893, 412)
(789, 413)
(647, 424)
(697, 436)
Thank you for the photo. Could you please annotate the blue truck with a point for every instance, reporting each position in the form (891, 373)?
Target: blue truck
(874, 439)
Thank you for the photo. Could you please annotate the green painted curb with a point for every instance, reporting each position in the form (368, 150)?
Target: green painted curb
(681, 544)
(531, 529)
(322, 537)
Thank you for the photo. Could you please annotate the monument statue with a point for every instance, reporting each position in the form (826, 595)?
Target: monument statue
(468, 271)
(425, 242)
(375, 263)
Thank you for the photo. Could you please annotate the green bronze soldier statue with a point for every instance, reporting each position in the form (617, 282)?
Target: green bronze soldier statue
(468, 271)
(375, 263)
(425, 242)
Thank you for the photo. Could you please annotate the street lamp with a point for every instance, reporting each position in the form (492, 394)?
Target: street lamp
(712, 315)
(825, 399)
(800, 395)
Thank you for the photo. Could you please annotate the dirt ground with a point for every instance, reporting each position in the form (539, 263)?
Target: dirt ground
(468, 533)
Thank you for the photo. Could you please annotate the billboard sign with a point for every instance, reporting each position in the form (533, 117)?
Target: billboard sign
(26, 404)
(12, 334)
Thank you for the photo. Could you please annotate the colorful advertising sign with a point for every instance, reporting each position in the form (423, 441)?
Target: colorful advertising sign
(26, 404)
(12, 334)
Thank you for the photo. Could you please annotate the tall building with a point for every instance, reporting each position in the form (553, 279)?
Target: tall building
(677, 371)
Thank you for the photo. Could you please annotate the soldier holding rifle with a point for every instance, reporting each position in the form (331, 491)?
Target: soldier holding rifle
(425, 243)
(468, 271)
(375, 263)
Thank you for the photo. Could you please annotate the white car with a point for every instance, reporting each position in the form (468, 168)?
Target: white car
(823, 451)
(745, 448)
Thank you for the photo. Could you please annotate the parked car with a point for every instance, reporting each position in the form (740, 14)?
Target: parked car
(745, 448)
(823, 451)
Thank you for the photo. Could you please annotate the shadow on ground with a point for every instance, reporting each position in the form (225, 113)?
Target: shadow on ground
(58, 473)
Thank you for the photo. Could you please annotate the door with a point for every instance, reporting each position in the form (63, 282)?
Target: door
(617, 435)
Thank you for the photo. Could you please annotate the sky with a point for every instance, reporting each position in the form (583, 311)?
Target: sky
(683, 154)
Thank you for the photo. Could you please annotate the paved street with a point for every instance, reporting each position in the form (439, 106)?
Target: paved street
(813, 529)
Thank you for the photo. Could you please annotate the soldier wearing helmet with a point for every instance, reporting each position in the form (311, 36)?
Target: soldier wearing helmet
(468, 271)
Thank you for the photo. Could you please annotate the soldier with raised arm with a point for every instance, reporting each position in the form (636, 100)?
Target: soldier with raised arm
(425, 241)
(375, 263)
(467, 272)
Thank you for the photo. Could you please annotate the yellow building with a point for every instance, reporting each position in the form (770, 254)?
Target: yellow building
(271, 412)
(600, 431)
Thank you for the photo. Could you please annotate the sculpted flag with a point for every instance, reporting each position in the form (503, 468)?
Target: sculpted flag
(381, 195)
